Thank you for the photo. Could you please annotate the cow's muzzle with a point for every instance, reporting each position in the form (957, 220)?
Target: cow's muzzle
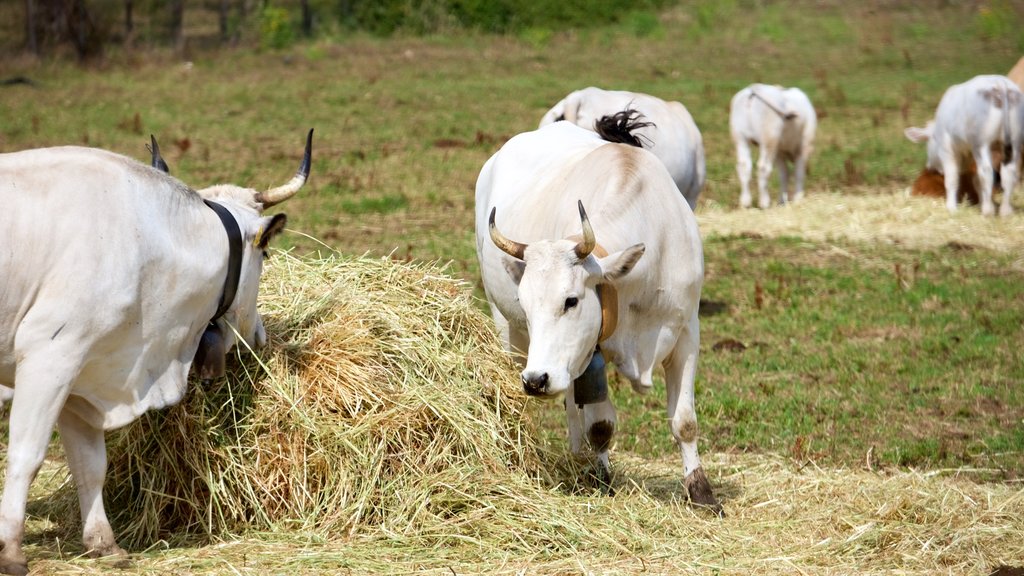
(536, 383)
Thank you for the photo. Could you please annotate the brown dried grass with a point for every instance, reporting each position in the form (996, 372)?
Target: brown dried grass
(888, 218)
(383, 432)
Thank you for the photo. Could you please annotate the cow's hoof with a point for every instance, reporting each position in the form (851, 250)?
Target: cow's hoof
(109, 550)
(13, 567)
(604, 480)
(1005, 211)
(699, 489)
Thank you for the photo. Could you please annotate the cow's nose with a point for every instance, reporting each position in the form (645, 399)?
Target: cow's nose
(534, 383)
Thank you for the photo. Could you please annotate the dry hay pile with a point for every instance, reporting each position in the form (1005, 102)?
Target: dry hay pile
(384, 432)
(383, 401)
(895, 218)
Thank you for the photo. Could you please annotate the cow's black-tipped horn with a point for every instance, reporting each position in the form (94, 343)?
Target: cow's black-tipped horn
(282, 193)
(585, 246)
(510, 247)
(158, 160)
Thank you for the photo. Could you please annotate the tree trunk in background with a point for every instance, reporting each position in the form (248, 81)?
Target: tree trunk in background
(31, 41)
(307, 19)
(222, 19)
(177, 20)
(129, 25)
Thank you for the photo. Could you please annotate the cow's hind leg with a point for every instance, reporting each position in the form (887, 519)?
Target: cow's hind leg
(41, 387)
(744, 165)
(86, 452)
(800, 169)
(765, 162)
(783, 169)
(1008, 173)
(983, 161)
(680, 372)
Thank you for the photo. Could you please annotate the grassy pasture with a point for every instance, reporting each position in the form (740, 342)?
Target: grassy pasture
(834, 340)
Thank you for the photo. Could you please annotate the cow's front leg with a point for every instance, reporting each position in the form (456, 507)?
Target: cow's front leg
(86, 452)
(680, 372)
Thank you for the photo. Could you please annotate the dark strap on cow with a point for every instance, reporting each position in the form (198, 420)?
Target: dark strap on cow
(234, 257)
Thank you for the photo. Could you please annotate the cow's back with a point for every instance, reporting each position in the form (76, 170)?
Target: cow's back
(979, 111)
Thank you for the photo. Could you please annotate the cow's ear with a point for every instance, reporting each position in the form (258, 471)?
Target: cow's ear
(918, 135)
(617, 265)
(514, 267)
(272, 227)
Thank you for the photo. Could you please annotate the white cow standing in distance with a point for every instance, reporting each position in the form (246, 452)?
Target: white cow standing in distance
(781, 122)
(972, 117)
(628, 285)
(673, 136)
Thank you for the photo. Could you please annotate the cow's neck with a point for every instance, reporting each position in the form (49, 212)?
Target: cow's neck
(227, 295)
(607, 295)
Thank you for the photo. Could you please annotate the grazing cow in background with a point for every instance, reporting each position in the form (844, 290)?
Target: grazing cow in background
(1016, 74)
(670, 132)
(117, 278)
(627, 287)
(971, 119)
(781, 122)
(932, 184)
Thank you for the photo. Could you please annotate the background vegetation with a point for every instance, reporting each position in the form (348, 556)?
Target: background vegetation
(834, 352)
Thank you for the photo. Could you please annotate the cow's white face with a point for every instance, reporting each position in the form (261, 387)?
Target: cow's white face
(557, 292)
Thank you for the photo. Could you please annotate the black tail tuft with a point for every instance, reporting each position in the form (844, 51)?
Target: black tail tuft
(619, 127)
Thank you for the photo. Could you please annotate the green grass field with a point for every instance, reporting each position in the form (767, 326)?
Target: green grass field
(833, 351)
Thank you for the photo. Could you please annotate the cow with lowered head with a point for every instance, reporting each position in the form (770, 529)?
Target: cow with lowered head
(588, 252)
(972, 118)
(116, 277)
(668, 130)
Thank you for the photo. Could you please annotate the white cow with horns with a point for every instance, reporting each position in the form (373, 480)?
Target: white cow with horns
(626, 287)
(782, 123)
(670, 131)
(116, 279)
(972, 118)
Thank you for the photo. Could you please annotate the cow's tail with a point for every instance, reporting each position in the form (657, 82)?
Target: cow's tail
(619, 128)
(772, 107)
(1012, 100)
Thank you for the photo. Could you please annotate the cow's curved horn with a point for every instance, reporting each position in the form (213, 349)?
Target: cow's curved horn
(585, 246)
(282, 193)
(157, 160)
(510, 247)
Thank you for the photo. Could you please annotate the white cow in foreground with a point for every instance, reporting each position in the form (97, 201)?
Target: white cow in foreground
(781, 122)
(672, 134)
(973, 117)
(116, 278)
(631, 278)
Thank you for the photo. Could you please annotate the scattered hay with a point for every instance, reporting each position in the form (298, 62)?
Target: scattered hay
(385, 433)
(896, 218)
(783, 518)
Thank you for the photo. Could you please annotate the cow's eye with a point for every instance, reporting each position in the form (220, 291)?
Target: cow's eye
(571, 302)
